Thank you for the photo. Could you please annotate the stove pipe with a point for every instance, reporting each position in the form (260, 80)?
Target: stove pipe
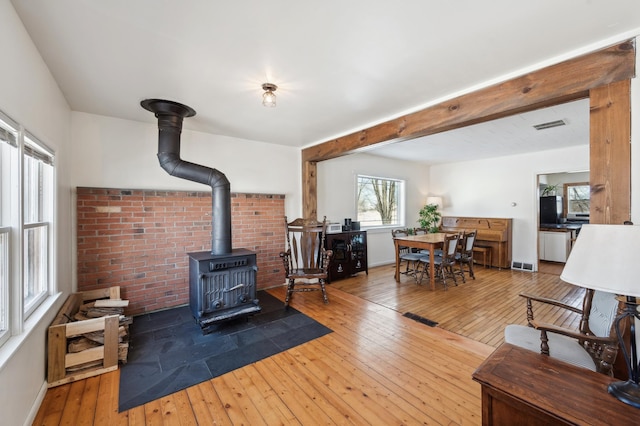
(170, 115)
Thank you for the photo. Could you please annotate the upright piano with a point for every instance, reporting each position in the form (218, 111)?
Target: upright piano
(494, 233)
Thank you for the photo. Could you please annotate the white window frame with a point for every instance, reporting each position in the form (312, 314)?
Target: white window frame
(10, 169)
(568, 198)
(5, 294)
(15, 310)
(41, 202)
(400, 202)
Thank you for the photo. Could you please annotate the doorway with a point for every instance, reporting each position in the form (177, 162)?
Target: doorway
(563, 208)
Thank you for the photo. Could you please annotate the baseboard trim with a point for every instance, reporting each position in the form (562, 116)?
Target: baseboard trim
(33, 412)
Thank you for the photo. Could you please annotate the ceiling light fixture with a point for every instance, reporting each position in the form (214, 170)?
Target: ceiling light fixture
(269, 98)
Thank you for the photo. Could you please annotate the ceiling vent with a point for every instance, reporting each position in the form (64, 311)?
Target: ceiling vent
(550, 124)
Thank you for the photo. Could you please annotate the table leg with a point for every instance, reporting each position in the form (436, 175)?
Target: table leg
(432, 267)
(397, 261)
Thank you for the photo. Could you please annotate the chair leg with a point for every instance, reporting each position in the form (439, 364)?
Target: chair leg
(412, 268)
(417, 273)
(441, 272)
(290, 286)
(425, 270)
(449, 270)
(407, 271)
(324, 292)
(460, 272)
(452, 270)
(469, 263)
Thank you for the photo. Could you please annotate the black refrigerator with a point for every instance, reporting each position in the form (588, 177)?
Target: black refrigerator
(550, 209)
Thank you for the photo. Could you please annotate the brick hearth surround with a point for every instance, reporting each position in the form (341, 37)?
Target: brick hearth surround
(139, 240)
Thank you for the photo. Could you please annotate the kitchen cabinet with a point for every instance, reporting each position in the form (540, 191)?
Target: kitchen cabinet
(349, 254)
(555, 245)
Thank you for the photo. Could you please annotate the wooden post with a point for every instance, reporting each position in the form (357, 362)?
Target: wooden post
(309, 189)
(610, 153)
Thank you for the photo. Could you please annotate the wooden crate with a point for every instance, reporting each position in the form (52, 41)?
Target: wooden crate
(60, 361)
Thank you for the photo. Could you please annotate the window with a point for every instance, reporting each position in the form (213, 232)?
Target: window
(379, 201)
(26, 225)
(577, 196)
(38, 202)
(8, 170)
(4, 284)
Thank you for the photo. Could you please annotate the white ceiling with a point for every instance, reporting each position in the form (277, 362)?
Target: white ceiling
(340, 66)
(507, 136)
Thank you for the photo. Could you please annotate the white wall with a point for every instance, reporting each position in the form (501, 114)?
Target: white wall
(115, 153)
(337, 188)
(29, 95)
(490, 188)
(486, 188)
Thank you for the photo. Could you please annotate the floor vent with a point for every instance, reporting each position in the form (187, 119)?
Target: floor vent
(521, 266)
(420, 319)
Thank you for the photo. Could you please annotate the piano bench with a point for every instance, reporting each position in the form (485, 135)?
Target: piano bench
(486, 253)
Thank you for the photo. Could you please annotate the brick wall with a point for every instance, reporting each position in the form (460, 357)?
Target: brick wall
(139, 240)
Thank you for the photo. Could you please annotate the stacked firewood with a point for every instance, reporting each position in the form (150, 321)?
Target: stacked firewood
(97, 309)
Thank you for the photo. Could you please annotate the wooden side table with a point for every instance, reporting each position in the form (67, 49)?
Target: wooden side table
(522, 387)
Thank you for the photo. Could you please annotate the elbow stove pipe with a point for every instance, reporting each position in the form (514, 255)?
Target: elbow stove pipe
(170, 116)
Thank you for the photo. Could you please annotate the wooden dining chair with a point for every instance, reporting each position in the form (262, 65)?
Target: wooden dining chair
(444, 265)
(423, 231)
(409, 256)
(465, 256)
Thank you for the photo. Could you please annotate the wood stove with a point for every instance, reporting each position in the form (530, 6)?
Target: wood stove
(222, 287)
(222, 282)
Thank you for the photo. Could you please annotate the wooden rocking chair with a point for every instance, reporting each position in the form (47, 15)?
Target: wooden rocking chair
(306, 261)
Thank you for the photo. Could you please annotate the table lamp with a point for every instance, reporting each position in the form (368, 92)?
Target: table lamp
(435, 200)
(605, 258)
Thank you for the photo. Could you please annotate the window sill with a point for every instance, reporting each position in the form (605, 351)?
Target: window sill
(11, 346)
(381, 229)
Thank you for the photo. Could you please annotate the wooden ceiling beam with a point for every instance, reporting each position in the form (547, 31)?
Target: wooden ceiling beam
(567, 81)
(553, 85)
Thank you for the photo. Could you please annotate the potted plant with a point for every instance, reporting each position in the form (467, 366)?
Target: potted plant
(549, 190)
(429, 217)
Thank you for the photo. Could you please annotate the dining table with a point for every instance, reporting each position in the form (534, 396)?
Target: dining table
(431, 242)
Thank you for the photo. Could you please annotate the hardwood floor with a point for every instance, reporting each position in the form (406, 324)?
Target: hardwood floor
(478, 309)
(377, 367)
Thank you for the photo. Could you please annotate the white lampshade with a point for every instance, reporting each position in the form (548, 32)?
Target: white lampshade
(605, 258)
(435, 200)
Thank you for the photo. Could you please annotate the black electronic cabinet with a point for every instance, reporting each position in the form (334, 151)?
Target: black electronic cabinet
(349, 254)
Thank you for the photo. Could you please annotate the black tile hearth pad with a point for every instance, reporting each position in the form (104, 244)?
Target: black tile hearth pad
(168, 351)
